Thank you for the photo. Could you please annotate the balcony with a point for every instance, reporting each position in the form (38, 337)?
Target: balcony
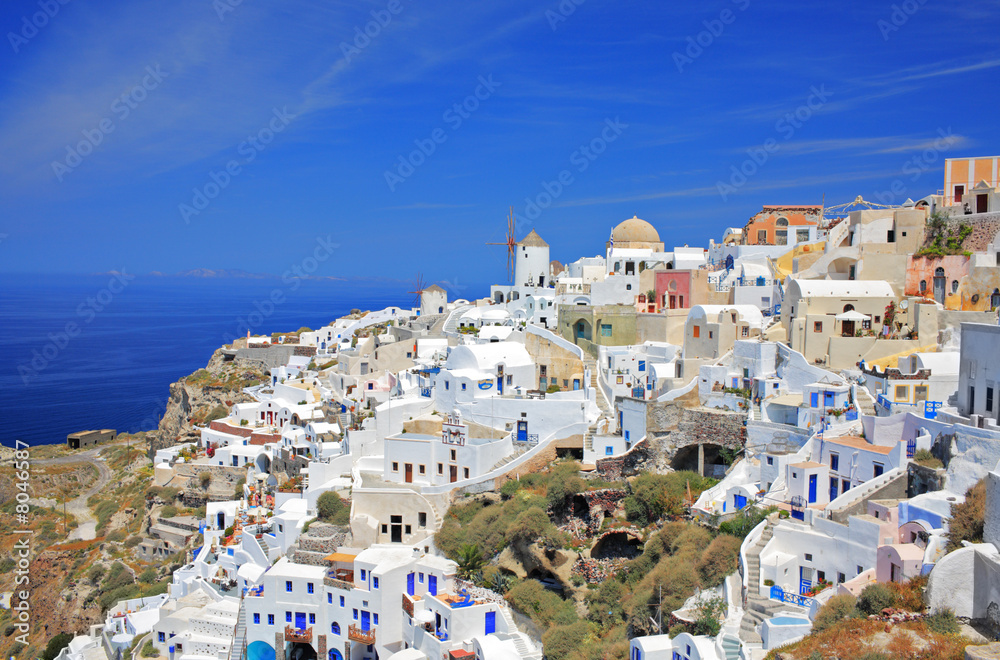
(298, 635)
(356, 634)
(340, 578)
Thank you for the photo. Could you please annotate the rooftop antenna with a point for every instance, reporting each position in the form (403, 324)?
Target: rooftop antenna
(511, 242)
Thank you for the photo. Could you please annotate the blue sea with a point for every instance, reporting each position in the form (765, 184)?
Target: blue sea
(90, 352)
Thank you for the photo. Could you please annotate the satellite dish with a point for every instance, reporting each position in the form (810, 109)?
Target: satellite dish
(904, 304)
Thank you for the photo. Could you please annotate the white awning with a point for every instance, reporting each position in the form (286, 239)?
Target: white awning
(853, 316)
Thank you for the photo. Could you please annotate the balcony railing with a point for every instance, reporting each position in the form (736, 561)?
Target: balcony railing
(356, 634)
(298, 634)
(425, 392)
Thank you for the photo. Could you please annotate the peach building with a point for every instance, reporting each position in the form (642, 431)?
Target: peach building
(783, 225)
(961, 175)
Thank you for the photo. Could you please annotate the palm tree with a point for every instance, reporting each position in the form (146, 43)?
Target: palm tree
(470, 559)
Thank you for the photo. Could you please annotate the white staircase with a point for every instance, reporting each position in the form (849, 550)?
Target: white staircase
(237, 647)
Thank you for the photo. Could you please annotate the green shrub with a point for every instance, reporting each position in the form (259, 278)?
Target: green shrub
(148, 650)
(168, 511)
(95, 573)
(876, 597)
(204, 478)
(835, 610)
(719, 559)
(529, 526)
(55, 645)
(927, 459)
(509, 488)
(148, 576)
(943, 623)
(966, 522)
(656, 496)
(133, 541)
(561, 641)
(332, 509)
(543, 606)
(745, 521)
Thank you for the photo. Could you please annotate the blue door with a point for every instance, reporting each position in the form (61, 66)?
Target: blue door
(740, 501)
(833, 488)
(812, 489)
(500, 385)
(804, 584)
(522, 431)
(576, 384)
(409, 584)
(300, 620)
(432, 585)
(491, 622)
(366, 621)
(220, 519)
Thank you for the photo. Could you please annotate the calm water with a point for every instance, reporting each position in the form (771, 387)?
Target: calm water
(115, 373)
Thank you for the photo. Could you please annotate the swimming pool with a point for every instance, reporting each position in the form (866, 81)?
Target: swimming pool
(787, 621)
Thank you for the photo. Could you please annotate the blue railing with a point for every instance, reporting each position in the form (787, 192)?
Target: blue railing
(425, 391)
(777, 593)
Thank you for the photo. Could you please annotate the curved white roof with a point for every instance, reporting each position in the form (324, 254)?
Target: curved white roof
(840, 288)
(485, 357)
(748, 313)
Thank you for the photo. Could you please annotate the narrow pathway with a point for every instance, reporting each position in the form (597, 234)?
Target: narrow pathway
(87, 529)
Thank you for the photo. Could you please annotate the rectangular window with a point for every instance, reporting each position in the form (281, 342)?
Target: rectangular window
(463, 387)
(809, 557)
(834, 462)
(309, 587)
(465, 471)
(453, 454)
(609, 451)
(902, 393)
(841, 578)
(375, 582)
(696, 331)
(375, 618)
(312, 618)
(919, 393)
(879, 469)
(364, 575)
(761, 237)
(161, 637)
(447, 385)
(355, 614)
(395, 466)
(288, 585)
(420, 578)
(605, 330)
(770, 460)
(745, 331)
(440, 468)
(817, 326)
(288, 617)
(342, 602)
(642, 365)
(329, 599)
(542, 370)
(270, 619)
(989, 399)
(422, 469)
(407, 529)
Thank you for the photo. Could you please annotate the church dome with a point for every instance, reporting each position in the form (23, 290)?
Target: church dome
(635, 230)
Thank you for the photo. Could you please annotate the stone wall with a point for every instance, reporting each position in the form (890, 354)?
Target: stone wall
(626, 465)
(922, 479)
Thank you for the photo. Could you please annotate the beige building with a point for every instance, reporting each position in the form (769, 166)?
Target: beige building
(711, 331)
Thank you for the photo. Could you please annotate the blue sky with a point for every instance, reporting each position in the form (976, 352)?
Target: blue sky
(673, 97)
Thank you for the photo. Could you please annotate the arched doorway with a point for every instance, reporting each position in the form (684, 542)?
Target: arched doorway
(939, 284)
(582, 330)
(301, 651)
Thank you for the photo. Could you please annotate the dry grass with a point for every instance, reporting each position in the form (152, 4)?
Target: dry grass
(854, 638)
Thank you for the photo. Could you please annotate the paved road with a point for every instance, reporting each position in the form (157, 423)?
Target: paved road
(87, 529)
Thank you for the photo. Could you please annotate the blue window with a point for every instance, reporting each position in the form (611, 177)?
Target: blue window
(288, 585)
(161, 637)
(341, 601)
(376, 618)
(230, 551)
(329, 599)
(312, 618)
(335, 628)
(834, 462)
(446, 385)
(642, 365)
(309, 587)
(364, 575)
(270, 619)
(609, 451)
(256, 618)
(463, 387)
(288, 617)
(355, 614)
(375, 582)
(421, 578)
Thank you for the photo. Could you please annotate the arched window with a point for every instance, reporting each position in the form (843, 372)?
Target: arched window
(939, 272)
(781, 222)
(848, 308)
(923, 285)
(954, 286)
(335, 629)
